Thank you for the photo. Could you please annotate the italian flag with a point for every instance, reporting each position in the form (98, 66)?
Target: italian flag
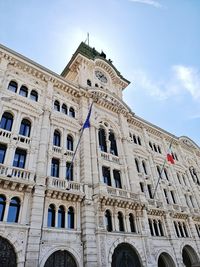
(169, 155)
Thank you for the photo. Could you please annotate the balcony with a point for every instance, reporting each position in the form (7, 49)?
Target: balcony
(4, 135)
(16, 178)
(110, 157)
(64, 189)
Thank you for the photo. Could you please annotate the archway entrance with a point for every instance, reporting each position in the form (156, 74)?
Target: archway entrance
(165, 260)
(61, 258)
(125, 256)
(190, 257)
(7, 254)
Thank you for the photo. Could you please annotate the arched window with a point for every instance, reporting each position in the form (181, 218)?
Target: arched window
(56, 138)
(70, 142)
(149, 187)
(34, 95)
(19, 158)
(70, 218)
(150, 144)
(61, 217)
(155, 225)
(69, 171)
(139, 140)
(176, 229)
(155, 148)
(106, 175)
(2, 153)
(89, 82)
(180, 229)
(108, 221)
(137, 165)
(159, 150)
(151, 227)
(113, 144)
(185, 230)
(159, 171)
(56, 105)
(23, 91)
(178, 176)
(132, 223)
(117, 178)
(6, 121)
(64, 109)
(102, 140)
(184, 180)
(71, 112)
(144, 167)
(166, 174)
(25, 128)
(134, 139)
(121, 221)
(2, 206)
(51, 220)
(14, 208)
(12, 86)
(55, 167)
(160, 228)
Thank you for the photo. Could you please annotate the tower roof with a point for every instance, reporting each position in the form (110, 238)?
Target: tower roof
(92, 54)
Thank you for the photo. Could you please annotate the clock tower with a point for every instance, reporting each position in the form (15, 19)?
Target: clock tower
(89, 68)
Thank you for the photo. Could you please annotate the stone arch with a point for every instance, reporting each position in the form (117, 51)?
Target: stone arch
(48, 252)
(15, 244)
(164, 259)
(137, 251)
(125, 255)
(189, 256)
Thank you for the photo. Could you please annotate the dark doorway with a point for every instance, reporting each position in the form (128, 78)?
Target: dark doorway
(7, 254)
(165, 260)
(60, 258)
(125, 256)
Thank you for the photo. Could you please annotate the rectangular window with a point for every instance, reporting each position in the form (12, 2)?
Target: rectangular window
(166, 195)
(19, 158)
(2, 153)
(150, 190)
(55, 167)
(106, 175)
(142, 187)
(69, 171)
(117, 178)
(173, 197)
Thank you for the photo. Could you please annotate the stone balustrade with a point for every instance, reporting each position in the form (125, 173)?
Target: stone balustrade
(16, 173)
(4, 134)
(61, 184)
(110, 157)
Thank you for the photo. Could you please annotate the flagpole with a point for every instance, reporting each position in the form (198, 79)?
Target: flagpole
(82, 130)
(160, 174)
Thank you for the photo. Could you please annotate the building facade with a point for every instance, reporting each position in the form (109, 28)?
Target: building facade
(98, 210)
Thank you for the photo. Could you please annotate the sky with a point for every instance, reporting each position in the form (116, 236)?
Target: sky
(155, 44)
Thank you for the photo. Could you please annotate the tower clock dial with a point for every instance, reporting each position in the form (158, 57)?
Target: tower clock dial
(101, 76)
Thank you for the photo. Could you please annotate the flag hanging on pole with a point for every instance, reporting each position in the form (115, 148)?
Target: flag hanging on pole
(169, 155)
(87, 121)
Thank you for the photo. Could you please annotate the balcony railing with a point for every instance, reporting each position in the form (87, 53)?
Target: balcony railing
(110, 157)
(5, 134)
(24, 139)
(121, 193)
(16, 173)
(57, 183)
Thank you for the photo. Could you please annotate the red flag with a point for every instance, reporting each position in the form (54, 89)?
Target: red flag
(170, 158)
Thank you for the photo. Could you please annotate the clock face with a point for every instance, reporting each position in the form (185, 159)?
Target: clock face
(101, 76)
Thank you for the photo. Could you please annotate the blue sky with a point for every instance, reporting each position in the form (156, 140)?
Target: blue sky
(154, 43)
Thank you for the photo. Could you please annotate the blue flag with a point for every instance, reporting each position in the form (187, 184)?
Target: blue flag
(87, 121)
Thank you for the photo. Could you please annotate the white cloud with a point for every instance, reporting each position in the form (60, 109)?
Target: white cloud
(182, 79)
(189, 78)
(153, 3)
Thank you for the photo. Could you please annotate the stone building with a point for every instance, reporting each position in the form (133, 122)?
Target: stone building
(100, 210)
